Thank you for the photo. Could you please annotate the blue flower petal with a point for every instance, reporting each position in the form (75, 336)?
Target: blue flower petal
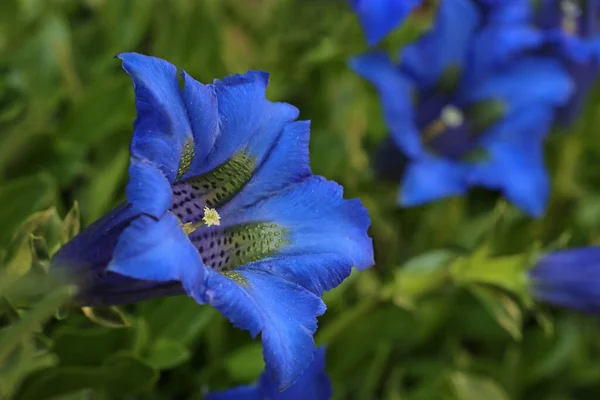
(379, 17)
(515, 161)
(233, 115)
(243, 112)
(546, 81)
(287, 163)
(158, 251)
(507, 12)
(395, 90)
(148, 190)
(569, 278)
(202, 106)
(250, 392)
(327, 234)
(495, 46)
(445, 46)
(572, 265)
(430, 179)
(314, 384)
(283, 311)
(93, 246)
(162, 126)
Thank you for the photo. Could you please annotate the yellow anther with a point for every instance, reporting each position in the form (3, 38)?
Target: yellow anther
(211, 217)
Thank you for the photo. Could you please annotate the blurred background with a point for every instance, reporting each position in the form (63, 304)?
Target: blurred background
(443, 315)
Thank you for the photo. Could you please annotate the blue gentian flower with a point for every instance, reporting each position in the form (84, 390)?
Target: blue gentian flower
(222, 205)
(573, 30)
(465, 113)
(314, 384)
(569, 278)
(379, 17)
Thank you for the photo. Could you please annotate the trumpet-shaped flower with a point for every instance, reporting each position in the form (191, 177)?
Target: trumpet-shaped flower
(314, 384)
(569, 278)
(379, 17)
(222, 205)
(573, 30)
(465, 111)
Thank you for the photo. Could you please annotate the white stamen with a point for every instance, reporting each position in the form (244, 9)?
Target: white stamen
(211, 217)
(452, 116)
(570, 8)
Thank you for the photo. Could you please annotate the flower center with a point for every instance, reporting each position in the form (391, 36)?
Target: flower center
(212, 190)
(196, 202)
(450, 117)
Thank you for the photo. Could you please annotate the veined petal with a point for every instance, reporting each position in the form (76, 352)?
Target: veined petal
(515, 160)
(431, 178)
(570, 265)
(569, 278)
(519, 173)
(287, 163)
(547, 83)
(379, 17)
(445, 46)
(85, 258)
(323, 235)
(233, 116)
(158, 250)
(396, 91)
(162, 127)
(283, 311)
(93, 247)
(495, 46)
(314, 384)
(148, 190)
(202, 106)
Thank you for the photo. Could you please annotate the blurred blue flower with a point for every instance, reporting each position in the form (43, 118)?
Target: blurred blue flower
(573, 30)
(569, 278)
(314, 384)
(465, 111)
(379, 17)
(222, 205)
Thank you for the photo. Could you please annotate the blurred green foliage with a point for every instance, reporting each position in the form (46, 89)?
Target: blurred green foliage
(443, 315)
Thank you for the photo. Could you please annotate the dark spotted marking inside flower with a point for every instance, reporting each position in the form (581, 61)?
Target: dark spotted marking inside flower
(187, 155)
(226, 249)
(212, 189)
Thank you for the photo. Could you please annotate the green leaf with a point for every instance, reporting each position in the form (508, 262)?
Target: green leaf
(120, 375)
(507, 272)
(166, 354)
(104, 184)
(502, 307)
(419, 276)
(32, 320)
(71, 224)
(473, 387)
(29, 358)
(91, 346)
(22, 197)
(246, 363)
(180, 319)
